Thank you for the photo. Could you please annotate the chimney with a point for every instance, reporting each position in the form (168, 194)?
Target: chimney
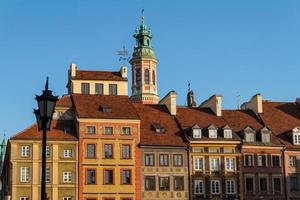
(123, 71)
(214, 103)
(73, 68)
(190, 99)
(170, 101)
(255, 104)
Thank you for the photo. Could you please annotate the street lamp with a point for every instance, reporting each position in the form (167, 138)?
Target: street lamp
(46, 104)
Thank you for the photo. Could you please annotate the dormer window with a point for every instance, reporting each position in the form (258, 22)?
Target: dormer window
(249, 134)
(227, 132)
(158, 128)
(212, 131)
(296, 136)
(265, 135)
(197, 133)
(106, 109)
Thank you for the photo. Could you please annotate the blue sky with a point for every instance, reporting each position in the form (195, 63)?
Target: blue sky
(225, 47)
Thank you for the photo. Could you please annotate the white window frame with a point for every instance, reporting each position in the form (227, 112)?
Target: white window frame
(231, 166)
(67, 176)
(231, 185)
(227, 133)
(212, 133)
(124, 130)
(197, 166)
(258, 161)
(296, 136)
(272, 160)
(212, 164)
(24, 174)
(197, 133)
(263, 135)
(245, 158)
(293, 161)
(216, 184)
(25, 151)
(201, 186)
(68, 153)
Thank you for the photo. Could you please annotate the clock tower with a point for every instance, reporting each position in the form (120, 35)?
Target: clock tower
(144, 77)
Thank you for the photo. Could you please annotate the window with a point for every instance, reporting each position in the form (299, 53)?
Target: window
(113, 89)
(296, 137)
(108, 176)
(262, 160)
(67, 198)
(277, 184)
(90, 176)
(249, 160)
(106, 109)
(198, 163)
(249, 137)
(230, 187)
(230, 164)
(164, 160)
(47, 175)
(153, 77)
(227, 133)
(214, 164)
(292, 161)
(125, 177)
(108, 151)
(294, 183)
(138, 75)
(126, 151)
(149, 183)
(99, 88)
(275, 161)
(215, 186)
(197, 133)
(90, 153)
(48, 150)
(67, 177)
(212, 133)
(91, 129)
(263, 184)
(24, 174)
(146, 75)
(178, 183)
(149, 159)
(126, 131)
(68, 153)
(249, 184)
(24, 198)
(164, 183)
(265, 137)
(25, 151)
(177, 160)
(198, 184)
(108, 130)
(85, 88)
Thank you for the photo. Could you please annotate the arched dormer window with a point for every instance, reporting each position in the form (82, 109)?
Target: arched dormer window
(153, 77)
(212, 131)
(296, 136)
(146, 76)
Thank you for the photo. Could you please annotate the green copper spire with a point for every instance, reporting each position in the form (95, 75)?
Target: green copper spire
(143, 36)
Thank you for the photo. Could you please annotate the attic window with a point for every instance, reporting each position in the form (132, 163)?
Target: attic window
(227, 133)
(212, 133)
(67, 130)
(265, 137)
(158, 128)
(296, 136)
(249, 137)
(197, 133)
(106, 109)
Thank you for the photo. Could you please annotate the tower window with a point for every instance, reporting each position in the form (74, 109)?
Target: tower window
(148, 43)
(146, 76)
(141, 42)
(138, 76)
(113, 89)
(85, 88)
(153, 77)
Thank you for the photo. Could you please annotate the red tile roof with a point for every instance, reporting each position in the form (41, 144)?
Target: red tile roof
(65, 101)
(98, 75)
(203, 117)
(281, 118)
(238, 120)
(57, 132)
(91, 106)
(158, 115)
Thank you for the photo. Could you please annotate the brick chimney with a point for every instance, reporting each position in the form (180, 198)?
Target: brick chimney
(255, 104)
(214, 103)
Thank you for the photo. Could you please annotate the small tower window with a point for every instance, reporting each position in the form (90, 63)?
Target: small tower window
(138, 76)
(146, 76)
(148, 42)
(153, 77)
(141, 42)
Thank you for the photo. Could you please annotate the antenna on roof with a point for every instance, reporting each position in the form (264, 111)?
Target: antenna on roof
(238, 100)
(123, 55)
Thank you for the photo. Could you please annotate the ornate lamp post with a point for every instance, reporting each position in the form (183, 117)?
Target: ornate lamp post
(46, 104)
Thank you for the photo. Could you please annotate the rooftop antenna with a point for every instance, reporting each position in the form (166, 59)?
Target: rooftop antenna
(238, 100)
(123, 55)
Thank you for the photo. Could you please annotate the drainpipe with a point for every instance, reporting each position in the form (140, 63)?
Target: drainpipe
(284, 176)
(189, 175)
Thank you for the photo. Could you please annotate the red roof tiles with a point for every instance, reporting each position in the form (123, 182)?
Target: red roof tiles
(65, 101)
(57, 132)
(91, 106)
(153, 115)
(98, 75)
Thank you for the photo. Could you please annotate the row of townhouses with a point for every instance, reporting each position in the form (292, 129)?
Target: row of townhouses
(107, 145)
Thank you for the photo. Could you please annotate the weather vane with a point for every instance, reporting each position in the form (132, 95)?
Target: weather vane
(123, 55)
